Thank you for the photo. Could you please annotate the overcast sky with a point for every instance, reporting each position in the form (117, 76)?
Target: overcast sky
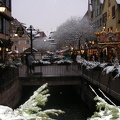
(47, 15)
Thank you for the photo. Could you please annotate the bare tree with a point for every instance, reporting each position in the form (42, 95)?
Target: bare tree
(73, 30)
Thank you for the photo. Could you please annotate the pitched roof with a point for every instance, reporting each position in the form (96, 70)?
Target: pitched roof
(28, 50)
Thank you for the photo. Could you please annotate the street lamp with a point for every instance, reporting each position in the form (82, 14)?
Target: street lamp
(79, 42)
(30, 29)
(2, 9)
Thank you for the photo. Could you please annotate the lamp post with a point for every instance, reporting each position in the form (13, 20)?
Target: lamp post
(2, 52)
(30, 29)
(79, 43)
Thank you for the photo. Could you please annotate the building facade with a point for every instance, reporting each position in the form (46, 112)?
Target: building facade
(95, 8)
(106, 16)
(111, 15)
(19, 36)
(5, 19)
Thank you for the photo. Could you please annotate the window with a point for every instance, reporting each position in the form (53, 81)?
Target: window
(111, 28)
(27, 42)
(97, 22)
(0, 24)
(97, 2)
(100, 9)
(108, 13)
(24, 48)
(104, 17)
(109, 3)
(4, 26)
(16, 42)
(7, 27)
(8, 4)
(97, 12)
(113, 12)
(100, 21)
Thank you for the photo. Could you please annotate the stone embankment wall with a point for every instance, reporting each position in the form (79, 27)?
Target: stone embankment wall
(86, 94)
(105, 82)
(10, 93)
(96, 79)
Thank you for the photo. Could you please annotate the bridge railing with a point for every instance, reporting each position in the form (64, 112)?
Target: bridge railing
(57, 70)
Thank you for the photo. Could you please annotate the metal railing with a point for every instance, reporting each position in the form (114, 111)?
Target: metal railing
(53, 70)
(59, 70)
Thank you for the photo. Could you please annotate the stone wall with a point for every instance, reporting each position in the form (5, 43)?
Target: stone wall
(10, 93)
(103, 81)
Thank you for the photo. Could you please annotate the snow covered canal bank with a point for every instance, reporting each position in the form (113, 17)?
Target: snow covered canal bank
(105, 76)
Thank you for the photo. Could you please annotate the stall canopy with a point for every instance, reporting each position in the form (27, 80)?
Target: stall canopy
(13, 52)
(29, 50)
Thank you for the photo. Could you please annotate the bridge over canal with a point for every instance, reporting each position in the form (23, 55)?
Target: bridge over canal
(71, 75)
(51, 74)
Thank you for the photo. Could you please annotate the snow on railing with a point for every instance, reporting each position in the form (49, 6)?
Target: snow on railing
(115, 67)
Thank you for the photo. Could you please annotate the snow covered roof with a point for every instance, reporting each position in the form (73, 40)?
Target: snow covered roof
(28, 50)
(37, 35)
(15, 51)
(118, 1)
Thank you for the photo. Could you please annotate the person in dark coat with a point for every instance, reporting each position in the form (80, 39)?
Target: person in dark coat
(73, 57)
(26, 63)
(30, 59)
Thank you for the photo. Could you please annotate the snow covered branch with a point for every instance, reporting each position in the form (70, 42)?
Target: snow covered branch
(31, 109)
(105, 111)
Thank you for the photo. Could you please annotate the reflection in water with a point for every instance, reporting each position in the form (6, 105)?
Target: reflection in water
(63, 98)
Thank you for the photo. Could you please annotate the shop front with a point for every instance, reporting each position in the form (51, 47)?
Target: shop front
(108, 45)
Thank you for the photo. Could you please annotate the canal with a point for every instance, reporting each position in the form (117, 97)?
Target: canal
(64, 98)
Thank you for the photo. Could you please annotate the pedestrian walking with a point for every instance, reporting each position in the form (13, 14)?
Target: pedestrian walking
(26, 63)
(73, 57)
(78, 59)
(30, 63)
